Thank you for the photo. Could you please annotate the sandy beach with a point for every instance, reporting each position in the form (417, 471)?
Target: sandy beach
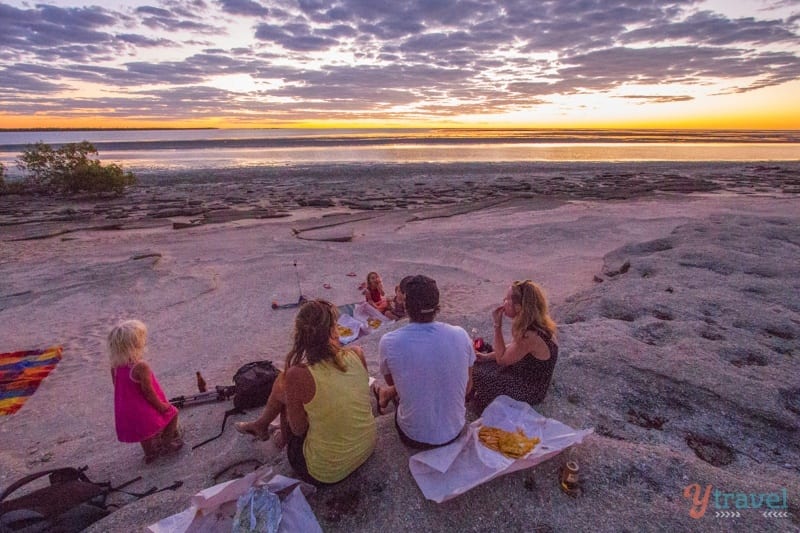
(676, 296)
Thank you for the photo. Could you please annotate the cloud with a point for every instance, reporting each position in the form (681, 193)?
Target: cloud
(714, 29)
(417, 58)
(142, 41)
(18, 81)
(656, 99)
(243, 7)
(164, 19)
(295, 37)
(696, 65)
(46, 28)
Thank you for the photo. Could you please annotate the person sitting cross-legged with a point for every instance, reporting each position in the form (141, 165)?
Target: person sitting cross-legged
(428, 367)
(323, 400)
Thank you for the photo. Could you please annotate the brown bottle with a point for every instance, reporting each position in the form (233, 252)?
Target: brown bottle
(570, 482)
(201, 383)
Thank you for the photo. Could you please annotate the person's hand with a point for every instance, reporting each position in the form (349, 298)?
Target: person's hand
(497, 315)
(482, 357)
(165, 407)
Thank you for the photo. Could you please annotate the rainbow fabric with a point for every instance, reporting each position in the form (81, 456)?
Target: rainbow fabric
(21, 373)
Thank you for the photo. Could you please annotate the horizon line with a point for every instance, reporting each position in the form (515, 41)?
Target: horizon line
(394, 128)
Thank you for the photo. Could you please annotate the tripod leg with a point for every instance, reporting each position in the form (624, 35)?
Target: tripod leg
(234, 411)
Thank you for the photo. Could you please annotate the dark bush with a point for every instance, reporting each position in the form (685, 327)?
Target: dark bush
(71, 169)
(9, 187)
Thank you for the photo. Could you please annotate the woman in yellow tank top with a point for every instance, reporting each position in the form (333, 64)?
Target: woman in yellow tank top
(323, 398)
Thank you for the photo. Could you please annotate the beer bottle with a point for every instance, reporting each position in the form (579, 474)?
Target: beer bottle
(201, 383)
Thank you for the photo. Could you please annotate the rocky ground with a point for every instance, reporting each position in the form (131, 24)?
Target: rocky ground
(681, 357)
(217, 196)
(679, 321)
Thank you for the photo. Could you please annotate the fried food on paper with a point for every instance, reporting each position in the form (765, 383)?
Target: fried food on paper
(374, 323)
(344, 331)
(513, 445)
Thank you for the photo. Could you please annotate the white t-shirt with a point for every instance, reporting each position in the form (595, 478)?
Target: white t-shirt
(429, 364)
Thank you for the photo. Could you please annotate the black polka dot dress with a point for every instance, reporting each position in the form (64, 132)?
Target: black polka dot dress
(527, 380)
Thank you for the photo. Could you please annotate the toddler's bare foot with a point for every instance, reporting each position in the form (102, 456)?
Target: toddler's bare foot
(168, 438)
(174, 445)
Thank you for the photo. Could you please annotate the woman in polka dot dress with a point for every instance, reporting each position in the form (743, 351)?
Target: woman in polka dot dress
(523, 368)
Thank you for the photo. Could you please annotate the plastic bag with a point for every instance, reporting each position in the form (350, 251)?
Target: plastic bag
(213, 508)
(257, 511)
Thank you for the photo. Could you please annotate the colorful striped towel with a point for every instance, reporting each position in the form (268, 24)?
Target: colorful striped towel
(21, 373)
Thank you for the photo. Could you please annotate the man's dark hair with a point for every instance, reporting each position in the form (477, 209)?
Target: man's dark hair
(422, 298)
(404, 282)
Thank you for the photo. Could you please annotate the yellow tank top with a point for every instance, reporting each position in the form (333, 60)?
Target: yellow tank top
(341, 429)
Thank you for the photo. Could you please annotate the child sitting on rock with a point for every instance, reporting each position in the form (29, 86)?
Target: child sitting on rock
(141, 411)
(397, 306)
(376, 296)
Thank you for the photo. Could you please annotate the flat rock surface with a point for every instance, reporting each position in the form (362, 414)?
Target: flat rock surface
(683, 361)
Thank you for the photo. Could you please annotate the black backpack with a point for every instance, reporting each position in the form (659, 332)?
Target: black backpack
(253, 384)
(71, 503)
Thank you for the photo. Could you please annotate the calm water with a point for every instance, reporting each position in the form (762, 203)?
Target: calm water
(153, 150)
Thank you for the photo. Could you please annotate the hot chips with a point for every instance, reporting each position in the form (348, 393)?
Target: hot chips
(374, 323)
(513, 445)
(344, 331)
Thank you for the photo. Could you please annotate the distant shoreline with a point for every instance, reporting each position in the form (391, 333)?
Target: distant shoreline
(356, 140)
(34, 130)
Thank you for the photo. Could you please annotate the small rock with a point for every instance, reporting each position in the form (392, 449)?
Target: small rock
(145, 255)
(184, 225)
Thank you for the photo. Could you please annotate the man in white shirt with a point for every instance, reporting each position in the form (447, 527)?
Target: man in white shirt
(429, 364)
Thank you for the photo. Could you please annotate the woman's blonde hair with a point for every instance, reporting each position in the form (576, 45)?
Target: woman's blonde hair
(533, 313)
(312, 336)
(126, 343)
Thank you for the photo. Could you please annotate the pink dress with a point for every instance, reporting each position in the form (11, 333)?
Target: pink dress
(136, 419)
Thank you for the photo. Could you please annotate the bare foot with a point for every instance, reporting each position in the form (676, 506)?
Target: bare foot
(278, 440)
(250, 428)
(384, 396)
(376, 391)
(173, 445)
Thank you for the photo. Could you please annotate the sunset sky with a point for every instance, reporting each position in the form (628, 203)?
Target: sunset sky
(396, 63)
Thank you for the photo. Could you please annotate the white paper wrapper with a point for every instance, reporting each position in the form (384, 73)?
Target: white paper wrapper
(213, 509)
(446, 472)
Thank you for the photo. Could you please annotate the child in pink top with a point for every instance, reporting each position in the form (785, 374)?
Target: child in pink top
(376, 296)
(141, 411)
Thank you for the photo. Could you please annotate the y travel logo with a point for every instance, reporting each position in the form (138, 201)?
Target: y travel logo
(735, 504)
